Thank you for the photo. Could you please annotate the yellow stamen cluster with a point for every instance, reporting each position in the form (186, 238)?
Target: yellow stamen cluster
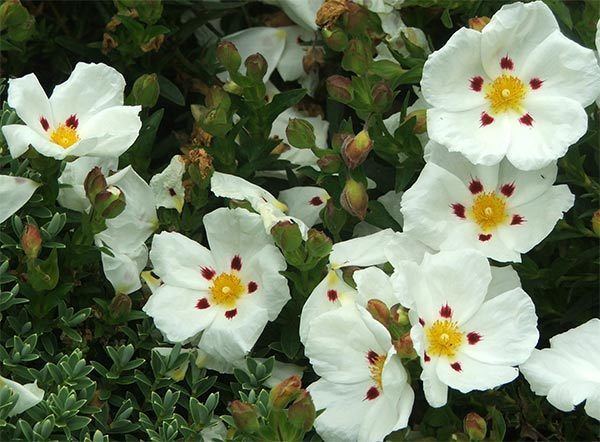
(506, 93)
(226, 289)
(488, 211)
(444, 338)
(376, 369)
(64, 136)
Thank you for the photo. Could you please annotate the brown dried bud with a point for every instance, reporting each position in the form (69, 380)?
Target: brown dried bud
(313, 59)
(404, 346)
(108, 43)
(153, 44)
(200, 159)
(330, 11)
(478, 23)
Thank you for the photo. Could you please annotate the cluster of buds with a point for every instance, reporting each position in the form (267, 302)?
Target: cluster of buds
(16, 20)
(395, 320)
(214, 117)
(303, 255)
(107, 202)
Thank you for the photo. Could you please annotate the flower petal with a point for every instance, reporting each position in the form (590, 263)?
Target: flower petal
(123, 269)
(474, 375)
(305, 203)
(14, 193)
(27, 97)
(365, 251)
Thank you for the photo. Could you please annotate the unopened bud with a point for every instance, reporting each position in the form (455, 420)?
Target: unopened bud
(596, 222)
(330, 163)
(228, 56)
(475, 426)
(146, 90)
(340, 88)
(31, 241)
(285, 392)
(338, 138)
(404, 346)
(302, 412)
(399, 315)
(217, 97)
(300, 133)
(287, 235)
(245, 416)
(256, 67)
(233, 88)
(379, 310)
(335, 39)
(478, 23)
(420, 120)
(94, 183)
(356, 19)
(17, 20)
(110, 203)
(357, 57)
(318, 244)
(382, 96)
(313, 59)
(120, 306)
(334, 218)
(356, 149)
(330, 11)
(354, 198)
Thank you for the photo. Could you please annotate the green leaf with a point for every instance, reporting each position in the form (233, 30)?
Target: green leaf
(170, 91)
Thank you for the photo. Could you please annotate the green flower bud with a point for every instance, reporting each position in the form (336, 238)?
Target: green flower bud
(318, 244)
(302, 412)
(357, 57)
(330, 163)
(31, 241)
(421, 120)
(15, 18)
(356, 149)
(228, 56)
(300, 133)
(245, 416)
(334, 218)
(256, 67)
(475, 426)
(379, 310)
(354, 198)
(340, 88)
(146, 90)
(383, 97)
(120, 306)
(285, 392)
(287, 235)
(335, 39)
(110, 203)
(94, 183)
(399, 315)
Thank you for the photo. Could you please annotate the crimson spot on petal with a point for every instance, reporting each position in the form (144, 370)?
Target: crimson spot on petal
(476, 83)
(372, 393)
(535, 83)
(506, 63)
(516, 220)
(473, 338)
(236, 263)
(484, 238)
(475, 186)
(486, 119)
(332, 295)
(172, 191)
(252, 286)
(459, 210)
(446, 311)
(372, 357)
(526, 119)
(456, 366)
(72, 122)
(229, 314)
(207, 273)
(422, 322)
(44, 123)
(202, 304)
(316, 201)
(507, 189)
(426, 357)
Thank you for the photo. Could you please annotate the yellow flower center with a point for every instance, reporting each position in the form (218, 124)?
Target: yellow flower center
(226, 289)
(64, 136)
(376, 369)
(506, 93)
(444, 338)
(488, 211)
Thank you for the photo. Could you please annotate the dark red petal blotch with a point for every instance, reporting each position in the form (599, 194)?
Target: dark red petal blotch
(72, 122)
(526, 120)
(316, 201)
(230, 314)
(207, 273)
(459, 210)
(202, 304)
(484, 238)
(332, 295)
(535, 83)
(486, 119)
(473, 338)
(516, 220)
(507, 63)
(372, 357)
(476, 83)
(236, 263)
(372, 393)
(475, 186)
(44, 123)
(456, 366)
(507, 189)
(446, 311)
(252, 286)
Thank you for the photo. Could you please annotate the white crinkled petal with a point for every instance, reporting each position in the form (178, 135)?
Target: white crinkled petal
(362, 252)
(14, 193)
(305, 203)
(167, 186)
(374, 283)
(27, 97)
(123, 269)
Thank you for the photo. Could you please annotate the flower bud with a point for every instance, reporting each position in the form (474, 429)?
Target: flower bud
(382, 96)
(596, 222)
(356, 149)
(335, 39)
(475, 426)
(340, 88)
(233, 88)
(287, 235)
(338, 138)
(300, 133)
(330, 163)
(120, 306)
(478, 23)
(330, 11)
(256, 67)
(348, 275)
(285, 392)
(313, 59)
(357, 19)
(94, 183)
(421, 120)
(354, 198)
(379, 310)
(302, 412)
(334, 218)
(245, 416)
(145, 90)
(228, 56)
(31, 241)
(318, 244)
(404, 346)
(17, 20)
(399, 315)
(357, 57)
(110, 203)
(217, 97)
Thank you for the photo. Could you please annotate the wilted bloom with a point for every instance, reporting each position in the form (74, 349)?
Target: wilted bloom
(84, 116)
(517, 89)
(330, 11)
(29, 395)
(167, 186)
(568, 372)
(14, 193)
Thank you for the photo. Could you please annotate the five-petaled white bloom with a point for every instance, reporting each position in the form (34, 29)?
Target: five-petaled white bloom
(229, 292)
(84, 116)
(14, 193)
(498, 210)
(468, 336)
(167, 186)
(29, 395)
(517, 89)
(363, 387)
(568, 372)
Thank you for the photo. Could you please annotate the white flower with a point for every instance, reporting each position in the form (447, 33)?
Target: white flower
(29, 395)
(229, 292)
(598, 52)
(167, 186)
(391, 203)
(363, 387)
(498, 210)
(568, 372)
(269, 208)
(300, 157)
(517, 89)
(392, 123)
(468, 337)
(305, 203)
(84, 116)
(14, 193)
(302, 13)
